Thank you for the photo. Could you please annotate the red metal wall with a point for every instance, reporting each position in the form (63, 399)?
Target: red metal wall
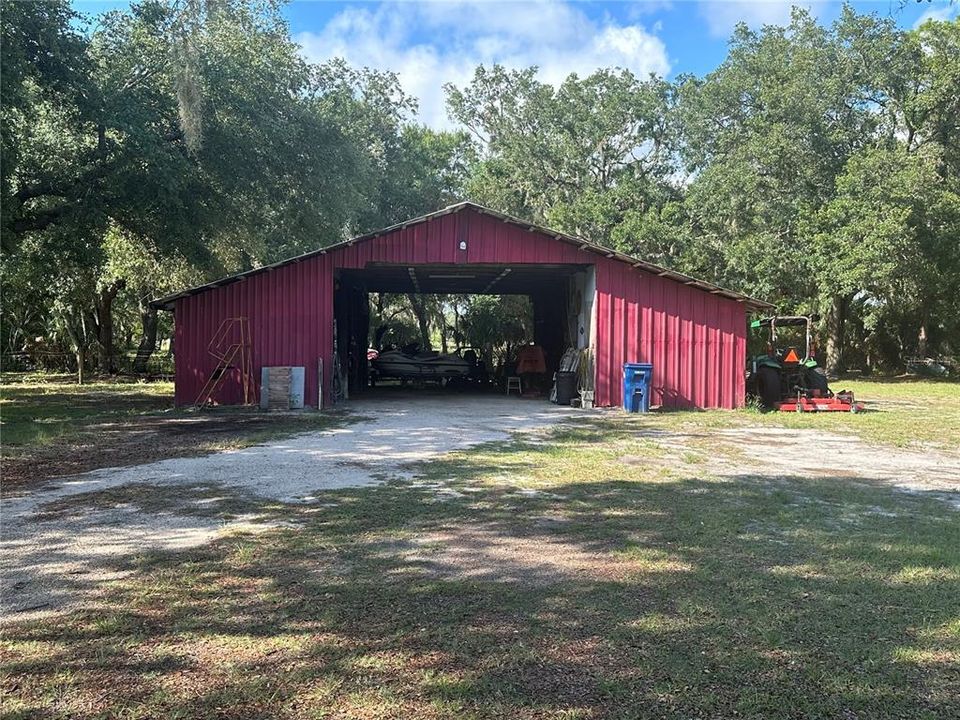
(695, 340)
(289, 317)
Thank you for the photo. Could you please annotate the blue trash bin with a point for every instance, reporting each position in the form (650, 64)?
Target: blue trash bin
(636, 386)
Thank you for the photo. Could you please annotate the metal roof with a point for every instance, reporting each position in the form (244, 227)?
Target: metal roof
(166, 302)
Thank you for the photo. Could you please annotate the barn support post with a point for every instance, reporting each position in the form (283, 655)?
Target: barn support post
(590, 324)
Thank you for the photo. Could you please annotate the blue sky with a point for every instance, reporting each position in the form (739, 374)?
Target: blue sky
(429, 43)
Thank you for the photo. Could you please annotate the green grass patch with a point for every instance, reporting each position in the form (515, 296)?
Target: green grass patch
(899, 412)
(36, 411)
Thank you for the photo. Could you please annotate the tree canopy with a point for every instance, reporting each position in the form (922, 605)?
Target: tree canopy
(816, 168)
(199, 134)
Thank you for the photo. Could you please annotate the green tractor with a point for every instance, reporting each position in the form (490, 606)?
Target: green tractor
(781, 379)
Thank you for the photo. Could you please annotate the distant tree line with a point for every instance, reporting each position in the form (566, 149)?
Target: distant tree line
(170, 143)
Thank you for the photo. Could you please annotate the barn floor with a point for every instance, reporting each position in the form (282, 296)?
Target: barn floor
(497, 557)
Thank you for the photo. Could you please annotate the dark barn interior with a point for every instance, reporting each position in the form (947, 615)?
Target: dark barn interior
(555, 291)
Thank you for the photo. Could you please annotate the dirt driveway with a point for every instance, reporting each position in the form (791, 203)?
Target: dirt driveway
(56, 538)
(58, 541)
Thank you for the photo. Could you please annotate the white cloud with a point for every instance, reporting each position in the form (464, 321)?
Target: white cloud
(647, 7)
(722, 16)
(430, 43)
(944, 13)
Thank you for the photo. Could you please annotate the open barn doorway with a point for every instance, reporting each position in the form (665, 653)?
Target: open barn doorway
(456, 329)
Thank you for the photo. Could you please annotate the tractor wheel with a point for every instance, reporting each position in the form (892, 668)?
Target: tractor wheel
(768, 386)
(816, 379)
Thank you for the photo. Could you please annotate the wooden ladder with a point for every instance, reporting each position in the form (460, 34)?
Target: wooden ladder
(230, 346)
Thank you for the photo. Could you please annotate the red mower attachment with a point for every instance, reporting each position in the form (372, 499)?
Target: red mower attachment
(813, 402)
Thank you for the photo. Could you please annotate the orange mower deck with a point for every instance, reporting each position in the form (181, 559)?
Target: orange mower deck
(841, 402)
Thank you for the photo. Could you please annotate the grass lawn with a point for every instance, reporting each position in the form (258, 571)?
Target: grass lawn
(900, 412)
(595, 573)
(35, 409)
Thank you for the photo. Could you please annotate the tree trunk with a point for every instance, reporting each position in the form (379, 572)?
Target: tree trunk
(104, 324)
(922, 342)
(423, 322)
(74, 322)
(836, 325)
(148, 340)
(81, 361)
(457, 335)
(443, 331)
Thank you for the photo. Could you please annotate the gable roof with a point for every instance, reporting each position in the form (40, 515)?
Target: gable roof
(166, 302)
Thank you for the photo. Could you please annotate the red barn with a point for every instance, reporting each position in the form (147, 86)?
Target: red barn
(620, 308)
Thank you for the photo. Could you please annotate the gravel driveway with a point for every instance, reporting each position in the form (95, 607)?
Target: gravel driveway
(64, 540)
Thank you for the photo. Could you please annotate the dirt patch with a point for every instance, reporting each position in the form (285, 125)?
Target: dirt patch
(801, 453)
(134, 441)
(493, 554)
(817, 454)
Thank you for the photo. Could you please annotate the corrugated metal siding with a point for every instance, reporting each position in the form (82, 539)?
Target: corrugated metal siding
(695, 340)
(286, 311)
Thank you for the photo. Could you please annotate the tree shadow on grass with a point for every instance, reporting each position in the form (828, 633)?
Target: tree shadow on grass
(613, 592)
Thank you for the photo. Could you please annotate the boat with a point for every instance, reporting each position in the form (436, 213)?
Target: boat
(429, 365)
